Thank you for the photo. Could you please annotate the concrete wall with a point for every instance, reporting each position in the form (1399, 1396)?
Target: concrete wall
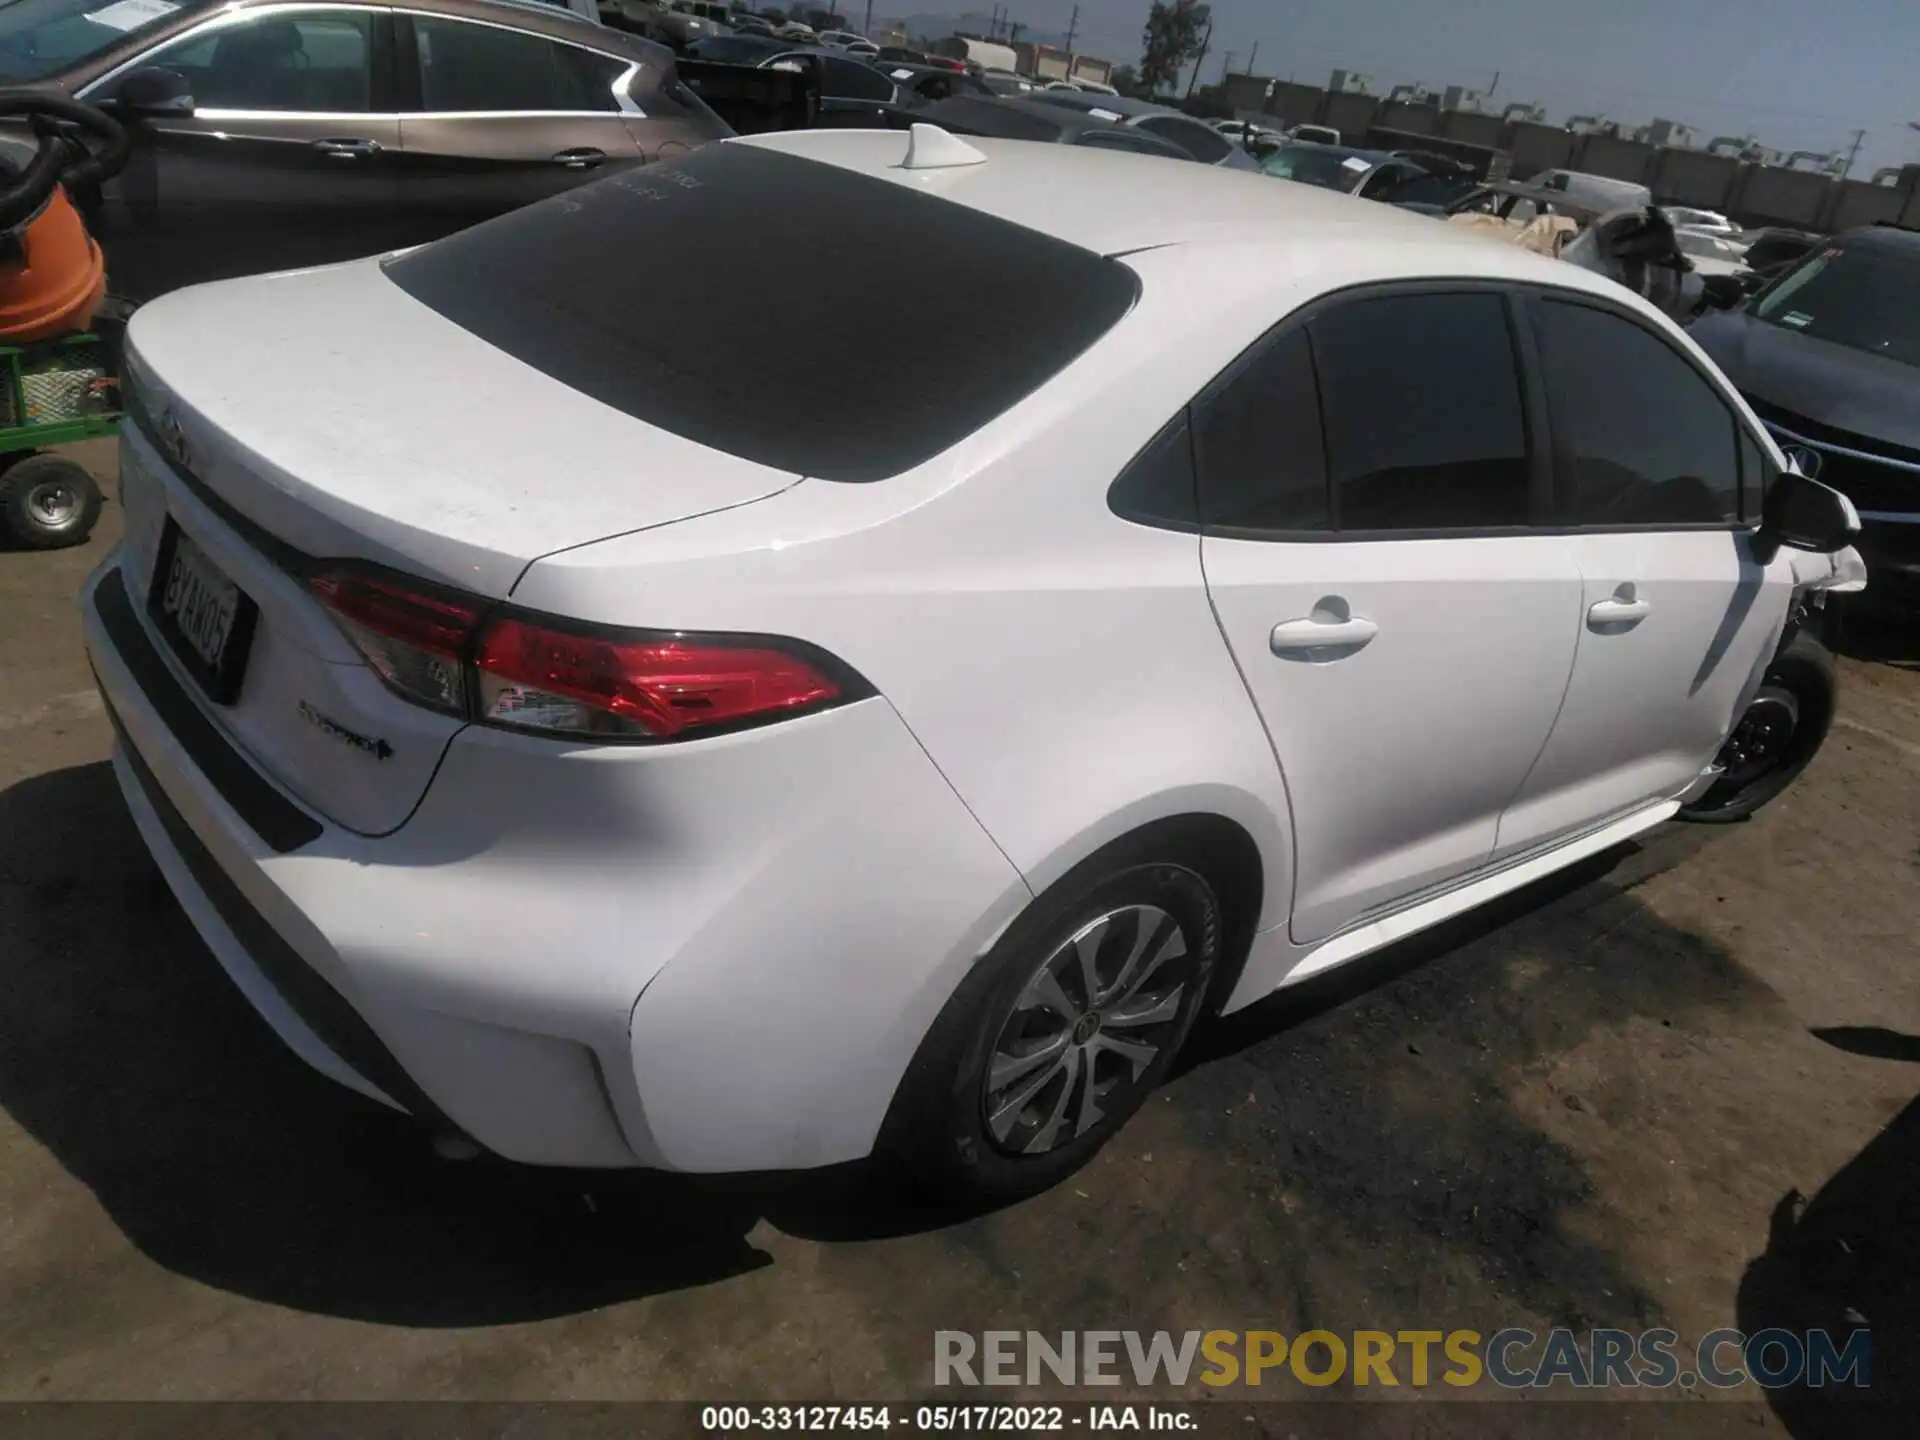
(1473, 129)
(1408, 118)
(1693, 177)
(1854, 202)
(1538, 147)
(1774, 195)
(1246, 92)
(1910, 217)
(1616, 159)
(1349, 114)
(1295, 104)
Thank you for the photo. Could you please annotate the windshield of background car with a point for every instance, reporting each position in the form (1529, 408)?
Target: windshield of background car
(1329, 169)
(649, 291)
(1860, 296)
(40, 38)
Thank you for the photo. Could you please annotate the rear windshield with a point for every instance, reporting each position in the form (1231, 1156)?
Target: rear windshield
(705, 296)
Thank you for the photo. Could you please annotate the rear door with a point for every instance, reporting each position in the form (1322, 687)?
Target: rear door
(853, 93)
(1367, 484)
(287, 159)
(495, 118)
(1676, 610)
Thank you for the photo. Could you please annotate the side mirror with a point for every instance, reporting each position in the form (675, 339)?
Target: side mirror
(155, 90)
(1803, 514)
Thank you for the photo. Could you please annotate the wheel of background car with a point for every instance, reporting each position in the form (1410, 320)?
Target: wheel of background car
(47, 502)
(1063, 1030)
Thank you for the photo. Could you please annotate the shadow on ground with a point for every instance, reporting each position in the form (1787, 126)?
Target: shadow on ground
(1386, 1095)
(1878, 634)
(1387, 1092)
(1847, 1260)
(127, 1054)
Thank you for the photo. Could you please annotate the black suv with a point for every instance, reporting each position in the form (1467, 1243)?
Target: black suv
(1828, 355)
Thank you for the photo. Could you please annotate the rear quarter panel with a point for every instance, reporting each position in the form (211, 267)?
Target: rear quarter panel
(1060, 665)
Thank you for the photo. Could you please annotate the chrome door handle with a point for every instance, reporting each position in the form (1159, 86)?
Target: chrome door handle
(1321, 640)
(585, 158)
(347, 149)
(1604, 614)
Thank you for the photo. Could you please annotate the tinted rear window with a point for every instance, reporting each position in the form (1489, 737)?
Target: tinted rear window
(677, 293)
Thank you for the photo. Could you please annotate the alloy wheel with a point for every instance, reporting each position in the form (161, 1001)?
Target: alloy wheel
(1086, 1029)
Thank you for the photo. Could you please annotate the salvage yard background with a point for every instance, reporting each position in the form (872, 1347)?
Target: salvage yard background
(1673, 1088)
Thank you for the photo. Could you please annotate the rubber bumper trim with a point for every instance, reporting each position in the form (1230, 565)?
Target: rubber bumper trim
(323, 1009)
(283, 825)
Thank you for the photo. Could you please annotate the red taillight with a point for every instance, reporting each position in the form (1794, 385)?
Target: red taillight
(413, 639)
(440, 650)
(536, 678)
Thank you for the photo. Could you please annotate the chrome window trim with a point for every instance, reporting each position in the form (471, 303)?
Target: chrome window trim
(1781, 432)
(233, 15)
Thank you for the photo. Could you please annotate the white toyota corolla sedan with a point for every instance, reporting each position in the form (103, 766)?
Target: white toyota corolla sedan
(565, 724)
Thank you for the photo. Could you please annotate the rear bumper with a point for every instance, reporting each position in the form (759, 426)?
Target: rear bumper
(717, 956)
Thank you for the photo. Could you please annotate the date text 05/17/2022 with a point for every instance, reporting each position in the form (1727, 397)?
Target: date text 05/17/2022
(942, 1419)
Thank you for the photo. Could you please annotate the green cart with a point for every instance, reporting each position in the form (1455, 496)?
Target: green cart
(53, 394)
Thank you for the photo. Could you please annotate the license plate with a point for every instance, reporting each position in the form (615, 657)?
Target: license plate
(205, 617)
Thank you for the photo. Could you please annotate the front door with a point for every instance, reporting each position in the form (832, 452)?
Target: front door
(1367, 485)
(287, 159)
(504, 118)
(1659, 483)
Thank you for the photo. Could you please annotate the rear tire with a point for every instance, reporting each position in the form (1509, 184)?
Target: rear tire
(1023, 1078)
(47, 502)
(1777, 737)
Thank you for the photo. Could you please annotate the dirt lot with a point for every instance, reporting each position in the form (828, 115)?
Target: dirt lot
(1602, 1105)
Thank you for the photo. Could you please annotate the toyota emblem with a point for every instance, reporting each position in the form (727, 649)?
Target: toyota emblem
(174, 439)
(1806, 461)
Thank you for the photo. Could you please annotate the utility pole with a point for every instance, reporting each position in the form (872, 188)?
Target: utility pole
(1226, 66)
(1854, 153)
(1073, 25)
(1495, 85)
(868, 28)
(1253, 55)
(1206, 44)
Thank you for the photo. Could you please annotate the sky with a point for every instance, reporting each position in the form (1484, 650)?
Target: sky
(1799, 75)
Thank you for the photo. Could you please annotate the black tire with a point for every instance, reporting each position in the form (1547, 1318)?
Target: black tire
(47, 503)
(1798, 684)
(938, 1126)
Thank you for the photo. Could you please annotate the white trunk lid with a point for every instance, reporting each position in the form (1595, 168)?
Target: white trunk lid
(325, 415)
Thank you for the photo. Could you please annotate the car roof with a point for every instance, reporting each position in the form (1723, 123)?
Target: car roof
(1374, 157)
(1019, 114)
(1882, 237)
(1118, 104)
(1114, 203)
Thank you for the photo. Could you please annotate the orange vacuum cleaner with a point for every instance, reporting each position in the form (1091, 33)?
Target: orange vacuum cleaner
(52, 275)
(56, 379)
